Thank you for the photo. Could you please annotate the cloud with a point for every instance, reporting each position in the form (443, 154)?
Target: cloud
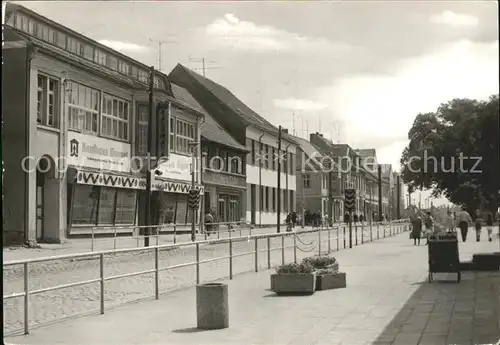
(123, 46)
(454, 19)
(239, 34)
(299, 104)
(385, 106)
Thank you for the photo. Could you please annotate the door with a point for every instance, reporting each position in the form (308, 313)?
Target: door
(39, 206)
(222, 211)
(253, 203)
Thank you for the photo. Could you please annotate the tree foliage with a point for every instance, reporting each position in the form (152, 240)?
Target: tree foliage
(455, 152)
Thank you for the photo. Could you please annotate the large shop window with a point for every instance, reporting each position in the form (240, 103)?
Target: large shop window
(174, 209)
(103, 206)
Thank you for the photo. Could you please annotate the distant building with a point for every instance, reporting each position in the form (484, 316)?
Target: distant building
(313, 179)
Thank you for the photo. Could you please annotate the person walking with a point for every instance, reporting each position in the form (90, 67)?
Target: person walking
(464, 219)
(450, 222)
(429, 226)
(478, 224)
(416, 232)
(489, 226)
(209, 219)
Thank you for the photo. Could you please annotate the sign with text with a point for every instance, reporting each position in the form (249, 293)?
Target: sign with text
(177, 167)
(90, 151)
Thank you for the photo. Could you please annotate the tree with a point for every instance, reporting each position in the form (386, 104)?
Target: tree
(455, 152)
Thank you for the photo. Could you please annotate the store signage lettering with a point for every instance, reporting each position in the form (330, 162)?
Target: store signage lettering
(99, 153)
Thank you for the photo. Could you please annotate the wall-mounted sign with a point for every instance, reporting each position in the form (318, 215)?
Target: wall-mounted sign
(85, 150)
(177, 167)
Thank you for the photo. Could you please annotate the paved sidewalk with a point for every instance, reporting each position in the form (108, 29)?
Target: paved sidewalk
(387, 301)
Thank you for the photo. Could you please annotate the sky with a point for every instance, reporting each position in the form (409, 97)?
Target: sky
(359, 72)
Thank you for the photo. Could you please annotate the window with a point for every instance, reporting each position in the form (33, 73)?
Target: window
(61, 40)
(253, 152)
(112, 63)
(267, 199)
(74, 46)
(83, 107)
(184, 134)
(142, 130)
(106, 206)
(260, 156)
(125, 206)
(100, 57)
(88, 52)
(47, 34)
(85, 201)
(236, 164)
(273, 158)
(47, 101)
(306, 180)
(261, 195)
(123, 67)
(292, 201)
(103, 206)
(115, 117)
(285, 198)
(143, 76)
(291, 165)
(273, 205)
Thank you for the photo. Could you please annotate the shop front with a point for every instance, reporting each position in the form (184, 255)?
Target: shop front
(102, 192)
(224, 196)
(170, 194)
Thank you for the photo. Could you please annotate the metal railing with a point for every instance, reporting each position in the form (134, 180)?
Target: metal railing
(336, 234)
(169, 232)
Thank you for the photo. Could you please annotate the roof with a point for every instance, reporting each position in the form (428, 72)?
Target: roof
(228, 98)
(366, 152)
(210, 129)
(184, 96)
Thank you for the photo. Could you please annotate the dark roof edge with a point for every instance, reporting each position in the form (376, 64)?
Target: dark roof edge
(239, 148)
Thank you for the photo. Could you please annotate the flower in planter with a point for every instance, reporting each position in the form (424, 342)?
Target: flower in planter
(319, 262)
(326, 271)
(303, 267)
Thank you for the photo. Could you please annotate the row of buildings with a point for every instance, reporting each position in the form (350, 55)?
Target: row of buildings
(75, 138)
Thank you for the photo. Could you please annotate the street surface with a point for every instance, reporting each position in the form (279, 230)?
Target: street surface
(55, 305)
(387, 301)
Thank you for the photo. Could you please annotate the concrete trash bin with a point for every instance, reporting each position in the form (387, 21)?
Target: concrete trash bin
(212, 306)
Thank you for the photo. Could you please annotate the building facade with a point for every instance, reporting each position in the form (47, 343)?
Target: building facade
(312, 179)
(75, 132)
(224, 173)
(261, 140)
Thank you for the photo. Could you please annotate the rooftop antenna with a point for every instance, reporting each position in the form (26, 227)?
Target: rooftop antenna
(293, 123)
(160, 46)
(203, 62)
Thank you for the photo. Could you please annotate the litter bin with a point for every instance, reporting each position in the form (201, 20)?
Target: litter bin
(212, 306)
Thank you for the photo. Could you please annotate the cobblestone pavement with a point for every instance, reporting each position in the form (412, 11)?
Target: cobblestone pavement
(54, 305)
(388, 301)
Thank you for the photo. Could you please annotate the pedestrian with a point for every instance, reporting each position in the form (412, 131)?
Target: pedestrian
(288, 222)
(294, 219)
(209, 219)
(450, 222)
(429, 226)
(464, 219)
(416, 232)
(489, 226)
(361, 218)
(346, 217)
(478, 224)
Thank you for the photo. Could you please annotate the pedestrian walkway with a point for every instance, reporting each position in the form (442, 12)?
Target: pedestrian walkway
(387, 301)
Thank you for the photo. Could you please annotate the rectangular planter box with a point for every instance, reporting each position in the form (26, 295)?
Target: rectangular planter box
(331, 281)
(293, 283)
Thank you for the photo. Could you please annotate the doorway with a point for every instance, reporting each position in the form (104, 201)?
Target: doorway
(40, 205)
